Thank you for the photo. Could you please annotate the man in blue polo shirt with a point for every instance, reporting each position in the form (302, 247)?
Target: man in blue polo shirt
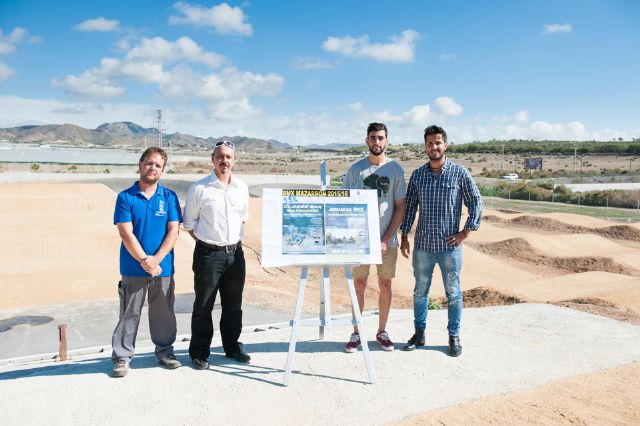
(148, 219)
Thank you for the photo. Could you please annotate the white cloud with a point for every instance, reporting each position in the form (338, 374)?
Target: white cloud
(6, 47)
(447, 57)
(223, 18)
(400, 49)
(98, 24)
(310, 63)
(98, 81)
(448, 105)
(18, 35)
(35, 39)
(522, 117)
(160, 50)
(557, 28)
(90, 115)
(145, 71)
(228, 85)
(168, 65)
(145, 63)
(5, 71)
(418, 115)
(518, 127)
(576, 129)
(234, 110)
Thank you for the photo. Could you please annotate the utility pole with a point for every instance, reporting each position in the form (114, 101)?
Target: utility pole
(158, 124)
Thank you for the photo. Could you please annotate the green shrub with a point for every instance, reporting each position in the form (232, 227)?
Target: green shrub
(433, 305)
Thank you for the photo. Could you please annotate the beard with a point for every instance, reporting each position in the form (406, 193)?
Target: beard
(376, 151)
(435, 156)
(149, 180)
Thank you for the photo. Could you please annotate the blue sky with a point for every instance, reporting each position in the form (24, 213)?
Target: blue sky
(307, 72)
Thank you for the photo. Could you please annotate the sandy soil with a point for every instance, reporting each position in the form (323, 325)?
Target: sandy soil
(61, 246)
(604, 398)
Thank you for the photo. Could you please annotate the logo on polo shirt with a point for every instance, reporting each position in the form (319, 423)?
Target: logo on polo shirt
(161, 211)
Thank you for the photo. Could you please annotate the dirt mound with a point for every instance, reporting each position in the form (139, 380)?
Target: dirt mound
(591, 263)
(483, 296)
(545, 224)
(601, 307)
(491, 218)
(514, 248)
(617, 232)
(620, 232)
(519, 249)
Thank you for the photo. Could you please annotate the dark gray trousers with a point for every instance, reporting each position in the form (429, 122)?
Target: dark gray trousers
(162, 319)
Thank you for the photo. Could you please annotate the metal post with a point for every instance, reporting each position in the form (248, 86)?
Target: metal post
(325, 303)
(295, 324)
(62, 339)
(359, 323)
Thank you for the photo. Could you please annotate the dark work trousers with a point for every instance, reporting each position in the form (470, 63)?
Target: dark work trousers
(213, 271)
(162, 319)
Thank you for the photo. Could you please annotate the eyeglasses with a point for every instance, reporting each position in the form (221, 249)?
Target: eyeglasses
(225, 143)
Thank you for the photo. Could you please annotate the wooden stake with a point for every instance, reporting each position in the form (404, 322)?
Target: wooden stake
(62, 332)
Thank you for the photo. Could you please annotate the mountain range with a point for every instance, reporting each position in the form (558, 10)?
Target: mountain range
(127, 134)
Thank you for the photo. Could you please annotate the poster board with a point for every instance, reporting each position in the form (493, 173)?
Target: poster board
(533, 163)
(306, 227)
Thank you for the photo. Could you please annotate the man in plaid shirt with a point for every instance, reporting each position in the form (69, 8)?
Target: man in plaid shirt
(438, 190)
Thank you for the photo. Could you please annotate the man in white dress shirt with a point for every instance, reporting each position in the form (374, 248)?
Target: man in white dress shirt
(214, 213)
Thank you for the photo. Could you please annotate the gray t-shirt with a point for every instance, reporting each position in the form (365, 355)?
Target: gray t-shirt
(387, 178)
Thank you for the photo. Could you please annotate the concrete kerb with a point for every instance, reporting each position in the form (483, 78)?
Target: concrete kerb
(147, 345)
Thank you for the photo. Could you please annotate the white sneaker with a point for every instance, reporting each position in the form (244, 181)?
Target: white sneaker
(120, 368)
(383, 340)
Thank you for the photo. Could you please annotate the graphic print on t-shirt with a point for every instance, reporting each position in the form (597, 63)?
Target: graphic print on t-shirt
(381, 183)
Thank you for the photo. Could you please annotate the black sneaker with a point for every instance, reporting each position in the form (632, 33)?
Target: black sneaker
(240, 356)
(454, 346)
(416, 340)
(200, 364)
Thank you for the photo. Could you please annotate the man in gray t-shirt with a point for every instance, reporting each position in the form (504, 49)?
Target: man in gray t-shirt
(379, 172)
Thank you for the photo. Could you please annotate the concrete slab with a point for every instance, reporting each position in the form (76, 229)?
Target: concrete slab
(506, 348)
(90, 324)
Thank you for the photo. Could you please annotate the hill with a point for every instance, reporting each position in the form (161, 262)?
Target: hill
(124, 134)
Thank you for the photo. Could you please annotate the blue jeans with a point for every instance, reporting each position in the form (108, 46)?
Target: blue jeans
(450, 263)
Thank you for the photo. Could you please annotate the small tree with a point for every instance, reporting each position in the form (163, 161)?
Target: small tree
(35, 167)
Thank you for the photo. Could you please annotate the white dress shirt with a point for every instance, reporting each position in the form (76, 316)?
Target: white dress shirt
(215, 212)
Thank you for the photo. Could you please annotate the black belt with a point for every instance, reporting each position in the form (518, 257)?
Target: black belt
(229, 249)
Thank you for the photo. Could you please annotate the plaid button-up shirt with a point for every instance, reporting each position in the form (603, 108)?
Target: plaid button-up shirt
(440, 202)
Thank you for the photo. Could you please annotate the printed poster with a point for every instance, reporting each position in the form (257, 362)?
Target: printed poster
(320, 227)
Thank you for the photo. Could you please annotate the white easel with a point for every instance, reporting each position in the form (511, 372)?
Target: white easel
(325, 319)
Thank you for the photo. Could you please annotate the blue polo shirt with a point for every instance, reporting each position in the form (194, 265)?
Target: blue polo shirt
(149, 219)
